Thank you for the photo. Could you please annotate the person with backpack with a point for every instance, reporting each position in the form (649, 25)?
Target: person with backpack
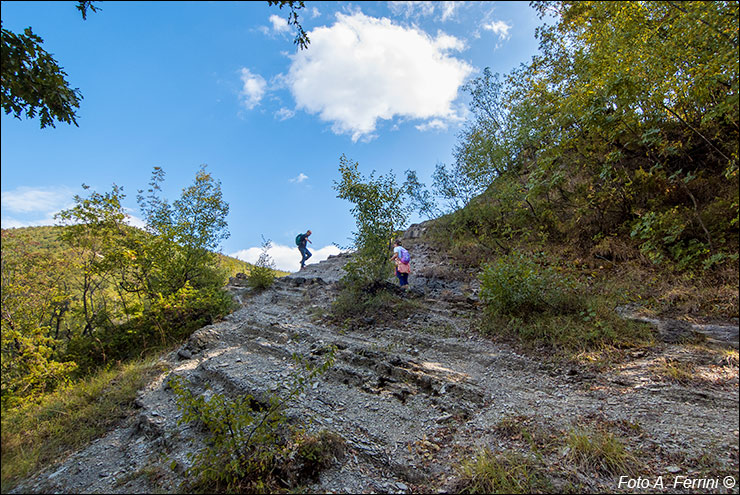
(300, 241)
(403, 267)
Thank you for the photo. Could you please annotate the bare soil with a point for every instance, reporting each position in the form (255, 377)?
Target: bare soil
(414, 398)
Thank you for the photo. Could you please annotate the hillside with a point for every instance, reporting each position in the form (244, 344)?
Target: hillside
(46, 239)
(416, 395)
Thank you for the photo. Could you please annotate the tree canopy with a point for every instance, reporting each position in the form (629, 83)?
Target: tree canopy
(33, 82)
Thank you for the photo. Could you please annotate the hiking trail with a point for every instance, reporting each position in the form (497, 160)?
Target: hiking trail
(411, 399)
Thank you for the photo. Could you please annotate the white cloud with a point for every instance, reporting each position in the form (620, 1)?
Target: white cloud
(363, 69)
(436, 125)
(284, 114)
(299, 178)
(14, 223)
(40, 199)
(448, 9)
(33, 207)
(412, 9)
(133, 220)
(286, 258)
(500, 28)
(253, 88)
(314, 12)
(279, 24)
(418, 9)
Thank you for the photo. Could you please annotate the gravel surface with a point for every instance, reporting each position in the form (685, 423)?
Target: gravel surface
(414, 398)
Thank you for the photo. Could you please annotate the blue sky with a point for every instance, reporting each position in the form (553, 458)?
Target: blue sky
(180, 84)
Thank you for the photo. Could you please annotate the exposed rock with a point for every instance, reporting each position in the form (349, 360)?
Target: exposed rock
(411, 400)
(184, 354)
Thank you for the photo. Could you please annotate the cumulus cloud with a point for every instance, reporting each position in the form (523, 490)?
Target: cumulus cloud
(279, 24)
(499, 28)
(286, 258)
(253, 88)
(134, 221)
(363, 69)
(299, 178)
(284, 114)
(33, 206)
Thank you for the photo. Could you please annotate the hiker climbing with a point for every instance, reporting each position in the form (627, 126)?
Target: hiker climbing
(402, 258)
(300, 241)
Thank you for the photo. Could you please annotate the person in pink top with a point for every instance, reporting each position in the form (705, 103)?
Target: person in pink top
(403, 267)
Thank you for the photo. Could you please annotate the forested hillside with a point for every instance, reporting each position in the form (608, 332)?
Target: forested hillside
(616, 148)
(96, 292)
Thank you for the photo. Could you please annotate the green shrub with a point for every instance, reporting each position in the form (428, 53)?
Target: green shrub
(541, 306)
(251, 447)
(594, 326)
(262, 275)
(505, 473)
(371, 303)
(169, 320)
(517, 285)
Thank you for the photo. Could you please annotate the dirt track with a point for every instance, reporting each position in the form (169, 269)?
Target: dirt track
(414, 398)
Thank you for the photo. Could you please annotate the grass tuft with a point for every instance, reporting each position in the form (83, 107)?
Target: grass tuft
(35, 435)
(504, 473)
(599, 451)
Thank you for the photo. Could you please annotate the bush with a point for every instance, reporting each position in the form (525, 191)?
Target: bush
(252, 448)
(262, 274)
(519, 286)
(543, 307)
(169, 320)
(370, 303)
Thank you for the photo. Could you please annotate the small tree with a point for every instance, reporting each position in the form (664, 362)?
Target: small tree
(185, 234)
(262, 274)
(95, 228)
(380, 211)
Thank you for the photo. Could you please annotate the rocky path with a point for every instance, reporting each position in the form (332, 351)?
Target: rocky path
(414, 398)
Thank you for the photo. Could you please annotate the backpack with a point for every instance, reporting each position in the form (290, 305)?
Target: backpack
(404, 255)
(298, 239)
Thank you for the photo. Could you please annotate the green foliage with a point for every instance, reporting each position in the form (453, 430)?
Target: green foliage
(34, 301)
(482, 153)
(371, 304)
(97, 290)
(627, 122)
(380, 212)
(518, 285)
(33, 82)
(503, 473)
(95, 232)
(186, 233)
(38, 433)
(301, 39)
(249, 442)
(543, 306)
(167, 321)
(262, 274)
